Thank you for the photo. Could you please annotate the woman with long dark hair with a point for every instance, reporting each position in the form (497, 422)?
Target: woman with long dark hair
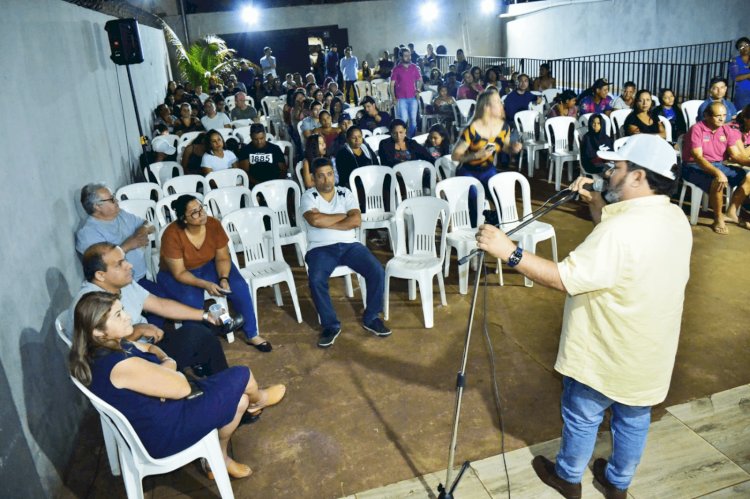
(642, 119)
(593, 141)
(315, 147)
(216, 157)
(669, 108)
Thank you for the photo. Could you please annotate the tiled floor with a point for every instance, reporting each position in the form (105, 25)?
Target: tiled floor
(699, 449)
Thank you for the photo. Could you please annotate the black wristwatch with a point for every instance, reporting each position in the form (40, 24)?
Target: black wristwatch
(515, 257)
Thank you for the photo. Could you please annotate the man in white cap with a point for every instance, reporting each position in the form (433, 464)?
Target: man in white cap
(625, 284)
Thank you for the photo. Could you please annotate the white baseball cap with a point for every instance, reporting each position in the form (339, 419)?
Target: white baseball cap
(161, 144)
(647, 151)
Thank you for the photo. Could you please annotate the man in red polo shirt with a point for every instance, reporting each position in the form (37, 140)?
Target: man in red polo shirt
(708, 146)
(406, 80)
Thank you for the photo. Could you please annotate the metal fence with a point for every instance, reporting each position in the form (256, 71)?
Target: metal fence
(685, 69)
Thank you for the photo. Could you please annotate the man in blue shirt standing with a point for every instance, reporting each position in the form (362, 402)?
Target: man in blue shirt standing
(332, 63)
(349, 65)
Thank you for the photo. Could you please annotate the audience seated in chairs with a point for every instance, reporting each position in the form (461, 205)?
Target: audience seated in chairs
(398, 148)
(492, 78)
(164, 117)
(642, 119)
(355, 154)
(469, 88)
(626, 99)
(670, 110)
(373, 117)
(703, 164)
(315, 147)
(192, 155)
(332, 214)
(336, 109)
(438, 142)
(326, 129)
(212, 119)
(216, 158)
(344, 123)
(596, 99)
(717, 91)
(311, 122)
(195, 260)
(476, 73)
(260, 159)
(193, 346)
(168, 413)
(519, 99)
(595, 140)
(564, 105)
(442, 105)
(187, 122)
(241, 110)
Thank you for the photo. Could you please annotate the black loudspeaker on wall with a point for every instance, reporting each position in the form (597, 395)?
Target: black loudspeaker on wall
(124, 41)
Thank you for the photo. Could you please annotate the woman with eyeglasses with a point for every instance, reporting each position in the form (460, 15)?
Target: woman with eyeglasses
(195, 259)
(739, 71)
(167, 412)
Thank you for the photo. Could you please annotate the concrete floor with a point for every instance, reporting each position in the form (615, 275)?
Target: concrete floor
(373, 411)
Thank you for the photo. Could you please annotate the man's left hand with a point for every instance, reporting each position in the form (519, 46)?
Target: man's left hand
(494, 242)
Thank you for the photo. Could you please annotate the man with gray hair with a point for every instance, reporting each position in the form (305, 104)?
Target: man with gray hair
(625, 286)
(106, 222)
(241, 110)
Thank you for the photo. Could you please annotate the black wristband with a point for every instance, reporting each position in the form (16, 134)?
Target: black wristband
(222, 278)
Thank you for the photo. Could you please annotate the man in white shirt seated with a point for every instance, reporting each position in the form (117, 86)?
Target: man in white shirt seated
(213, 120)
(332, 215)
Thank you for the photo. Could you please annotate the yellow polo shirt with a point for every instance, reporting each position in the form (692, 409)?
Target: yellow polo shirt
(626, 285)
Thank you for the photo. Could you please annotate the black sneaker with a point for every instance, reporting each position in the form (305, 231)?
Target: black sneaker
(377, 328)
(328, 336)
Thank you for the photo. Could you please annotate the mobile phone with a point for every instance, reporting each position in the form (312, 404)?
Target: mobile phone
(490, 146)
(225, 291)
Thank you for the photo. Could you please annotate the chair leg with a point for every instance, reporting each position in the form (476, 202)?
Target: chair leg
(447, 262)
(255, 305)
(441, 287)
(293, 292)
(300, 256)
(131, 477)
(696, 197)
(277, 295)
(110, 442)
(463, 277)
(219, 468)
(425, 293)
(348, 285)
(386, 288)
(412, 285)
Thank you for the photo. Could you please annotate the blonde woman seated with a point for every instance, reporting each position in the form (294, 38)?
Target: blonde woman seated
(168, 413)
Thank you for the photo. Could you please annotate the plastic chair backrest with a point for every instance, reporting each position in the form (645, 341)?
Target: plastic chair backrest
(411, 174)
(241, 123)
(618, 120)
(465, 108)
(243, 134)
(143, 208)
(188, 137)
(231, 177)
(60, 328)
(164, 212)
(226, 200)
(503, 191)
(362, 88)
(425, 99)
(446, 167)
(366, 133)
(226, 133)
(298, 173)
(352, 111)
(140, 190)
(185, 184)
(667, 127)
(421, 139)
(583, 123)
(287, 149)
(526, 123)
(276, 196)
(162, 171)
(558, 133)
(550, 94)
(247, 224)
(620, 142)
(375, 140)
(690, 111)
(381, 130)
(425, 214)
(373, 183)
(456, 192)
(229, 102)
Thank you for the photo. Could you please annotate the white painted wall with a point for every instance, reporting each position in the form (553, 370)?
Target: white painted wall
(373, 26)
(63, 125)
(567, 28)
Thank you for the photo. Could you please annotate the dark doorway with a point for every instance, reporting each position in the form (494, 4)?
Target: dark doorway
(290, 46)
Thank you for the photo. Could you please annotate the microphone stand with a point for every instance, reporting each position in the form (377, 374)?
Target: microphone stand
(446, 492)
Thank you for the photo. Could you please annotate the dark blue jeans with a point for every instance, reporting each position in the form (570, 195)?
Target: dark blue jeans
(322, 261)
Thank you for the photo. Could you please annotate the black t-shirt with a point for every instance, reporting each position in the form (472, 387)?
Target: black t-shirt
(263, 163)
(633, 120)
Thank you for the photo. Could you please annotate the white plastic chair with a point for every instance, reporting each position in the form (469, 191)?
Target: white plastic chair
(374, 214)
(561, 150)
(231, 177)
(260, 268)
(618, 121)
(526, 123)
(465, 109)
(298, 174)
(142, 208)
(410, 174)
(366, 133)
(667, 128)
(699, 199)
(163, 171)
(550, 94)
(287, 148)
(445, 167)
(225, 200)
(276, 196)
(242, 134)
(244, 123)
(352, 112)
(110, 443)
(362, 88)
(421, 139)
(137, 463)
(139, 190)
(424, 100)
(690, 112)
(375, 140)
(381, 130)
(229, 102)
(461, 234)
(583, 123)
(619, 143)
(186, 184)
(164, 212)
(422, 259)
(503, 191)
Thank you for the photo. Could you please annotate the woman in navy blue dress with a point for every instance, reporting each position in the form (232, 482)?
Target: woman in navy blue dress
(168, 413)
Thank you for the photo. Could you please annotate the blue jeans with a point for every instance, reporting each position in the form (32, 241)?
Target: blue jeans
(484, 176)
(406, 110)
(582, 413)
(192, 296)
(323, 260)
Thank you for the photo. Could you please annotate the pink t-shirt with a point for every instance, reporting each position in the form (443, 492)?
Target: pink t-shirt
(713, 142)
(405, 81)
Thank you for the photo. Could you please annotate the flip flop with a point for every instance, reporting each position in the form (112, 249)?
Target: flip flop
(271, 396)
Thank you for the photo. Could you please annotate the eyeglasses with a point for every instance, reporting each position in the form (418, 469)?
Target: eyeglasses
(110, 200)
(197, 213)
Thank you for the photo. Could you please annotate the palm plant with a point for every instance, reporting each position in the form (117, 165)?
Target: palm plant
(205, 60)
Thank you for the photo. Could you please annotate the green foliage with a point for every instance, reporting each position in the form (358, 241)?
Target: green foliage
(205, 60)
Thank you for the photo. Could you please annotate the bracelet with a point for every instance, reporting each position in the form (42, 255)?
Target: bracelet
(222, 278)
